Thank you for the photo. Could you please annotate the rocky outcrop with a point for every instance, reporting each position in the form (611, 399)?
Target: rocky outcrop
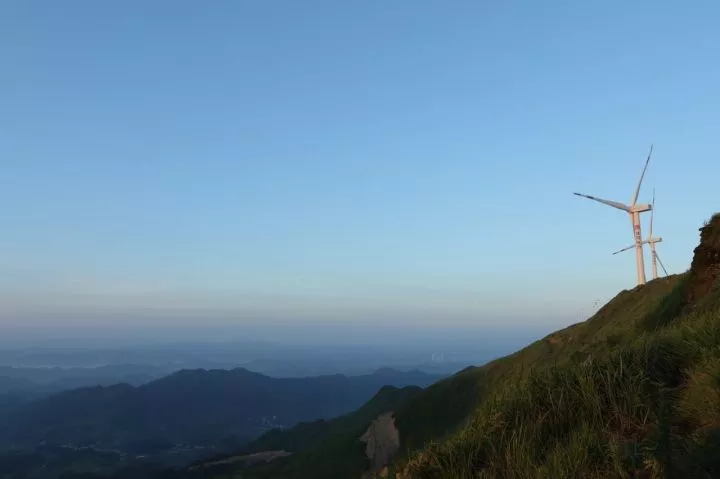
(382, 443)
(705, 267)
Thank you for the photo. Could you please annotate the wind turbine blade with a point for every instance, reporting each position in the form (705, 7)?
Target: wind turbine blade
(631, 246)
(624, 249)
(614, 204)
(637, 190)
(652, 213)
(657, 256)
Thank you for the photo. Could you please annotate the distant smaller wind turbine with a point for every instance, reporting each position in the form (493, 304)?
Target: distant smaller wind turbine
(651, 240)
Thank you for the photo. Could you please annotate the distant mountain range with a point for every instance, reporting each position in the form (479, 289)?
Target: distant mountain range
(201, 408)
(71, 377)
(19, 385)
(43, 364)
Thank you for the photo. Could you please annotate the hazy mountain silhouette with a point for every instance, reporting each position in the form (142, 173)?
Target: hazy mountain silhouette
(198, 407)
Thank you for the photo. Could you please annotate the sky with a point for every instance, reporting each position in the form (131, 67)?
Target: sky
(172, 168)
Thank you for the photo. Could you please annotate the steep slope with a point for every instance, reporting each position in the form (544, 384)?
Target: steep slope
(632, 392)
(444, 406)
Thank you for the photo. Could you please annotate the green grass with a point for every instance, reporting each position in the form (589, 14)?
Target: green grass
(440, 409)
(445, 406)
(632, 392)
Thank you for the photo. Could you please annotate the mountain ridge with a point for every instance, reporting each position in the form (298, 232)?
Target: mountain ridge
(215, 404)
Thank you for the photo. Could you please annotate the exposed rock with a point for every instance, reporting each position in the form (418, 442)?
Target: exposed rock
(705, 267)
(382, 443)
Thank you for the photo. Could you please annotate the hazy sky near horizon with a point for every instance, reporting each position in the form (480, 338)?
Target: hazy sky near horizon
(165, 162)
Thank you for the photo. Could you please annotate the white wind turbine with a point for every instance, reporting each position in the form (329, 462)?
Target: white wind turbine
(651, 240)
(633, 210)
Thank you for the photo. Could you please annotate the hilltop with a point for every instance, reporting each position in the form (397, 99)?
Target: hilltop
(634, 391)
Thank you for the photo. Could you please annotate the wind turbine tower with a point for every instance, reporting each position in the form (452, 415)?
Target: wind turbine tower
(651, 240)
(633, 210)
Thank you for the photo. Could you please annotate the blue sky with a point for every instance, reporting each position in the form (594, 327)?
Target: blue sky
(338, 161)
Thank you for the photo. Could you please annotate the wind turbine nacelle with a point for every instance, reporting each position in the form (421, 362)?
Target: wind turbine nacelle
(641, 208)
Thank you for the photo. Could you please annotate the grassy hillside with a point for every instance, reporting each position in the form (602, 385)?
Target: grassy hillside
(446, 404)
(632, 392)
